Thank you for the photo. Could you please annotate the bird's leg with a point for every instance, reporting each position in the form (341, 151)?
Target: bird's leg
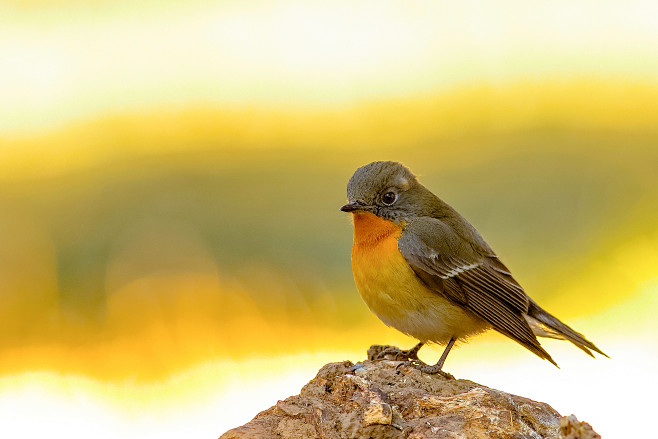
(437, 367)
(384, 352)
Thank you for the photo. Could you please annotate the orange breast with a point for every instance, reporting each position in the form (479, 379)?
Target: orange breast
(378, 266)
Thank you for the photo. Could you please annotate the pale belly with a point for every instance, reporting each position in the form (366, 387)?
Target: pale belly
(397, 296)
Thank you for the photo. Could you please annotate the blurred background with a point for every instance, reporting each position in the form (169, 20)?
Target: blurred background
(172, 256)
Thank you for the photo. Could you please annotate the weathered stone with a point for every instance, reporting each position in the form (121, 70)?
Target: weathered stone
(378, 413)
(392, 399)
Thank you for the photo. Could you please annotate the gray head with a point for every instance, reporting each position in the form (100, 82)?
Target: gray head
(389, 190)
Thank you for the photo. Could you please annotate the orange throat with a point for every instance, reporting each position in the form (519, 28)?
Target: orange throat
(370, 230)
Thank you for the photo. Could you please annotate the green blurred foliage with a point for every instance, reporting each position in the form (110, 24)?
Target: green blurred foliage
(546, 199)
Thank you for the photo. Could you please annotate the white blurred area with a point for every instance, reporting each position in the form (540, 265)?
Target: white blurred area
(63, 63)
(614, 395)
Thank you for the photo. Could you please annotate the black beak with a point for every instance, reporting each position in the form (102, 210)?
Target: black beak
(351, 207)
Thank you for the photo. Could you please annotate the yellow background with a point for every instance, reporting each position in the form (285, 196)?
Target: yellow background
(172, 256)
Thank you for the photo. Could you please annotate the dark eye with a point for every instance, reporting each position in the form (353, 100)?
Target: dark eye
(389, 198)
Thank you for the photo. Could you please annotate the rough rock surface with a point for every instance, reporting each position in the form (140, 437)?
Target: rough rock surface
(391, 399)
(571, 428)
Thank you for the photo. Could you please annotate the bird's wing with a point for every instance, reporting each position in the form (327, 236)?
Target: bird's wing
(467, 272)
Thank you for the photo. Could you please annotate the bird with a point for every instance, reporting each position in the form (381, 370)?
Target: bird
(423, 269)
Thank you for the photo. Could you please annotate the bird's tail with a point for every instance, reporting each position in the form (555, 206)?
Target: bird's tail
(544, 324)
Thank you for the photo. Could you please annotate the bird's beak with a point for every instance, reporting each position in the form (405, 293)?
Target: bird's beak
(351, 207)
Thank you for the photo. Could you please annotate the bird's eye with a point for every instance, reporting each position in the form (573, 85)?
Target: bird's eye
(389, 198)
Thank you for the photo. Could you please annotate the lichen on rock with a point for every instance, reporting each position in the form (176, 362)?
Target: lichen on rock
(391, 400)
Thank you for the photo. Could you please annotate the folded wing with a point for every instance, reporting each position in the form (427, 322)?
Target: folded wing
(469, 273)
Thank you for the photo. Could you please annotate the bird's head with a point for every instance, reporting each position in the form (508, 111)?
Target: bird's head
(389, 190)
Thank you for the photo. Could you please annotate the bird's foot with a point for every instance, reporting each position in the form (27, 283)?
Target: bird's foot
(432, 370)
(386, 352)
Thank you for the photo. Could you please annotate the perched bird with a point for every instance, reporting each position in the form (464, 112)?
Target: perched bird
(424, 270)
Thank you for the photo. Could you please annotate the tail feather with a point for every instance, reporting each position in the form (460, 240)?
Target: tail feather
(544, 324)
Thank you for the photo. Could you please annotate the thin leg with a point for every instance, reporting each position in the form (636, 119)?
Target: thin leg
(380, 352)
(412, 353)
(437, 367)
(444, 355)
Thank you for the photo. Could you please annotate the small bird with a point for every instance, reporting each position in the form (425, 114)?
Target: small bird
(424, 270)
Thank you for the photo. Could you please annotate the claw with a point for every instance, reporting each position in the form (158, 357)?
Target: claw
(410, 357)
(385, 352)
(433, 370)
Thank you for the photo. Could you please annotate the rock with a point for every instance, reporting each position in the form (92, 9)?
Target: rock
(392, 399)
(572, 428)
